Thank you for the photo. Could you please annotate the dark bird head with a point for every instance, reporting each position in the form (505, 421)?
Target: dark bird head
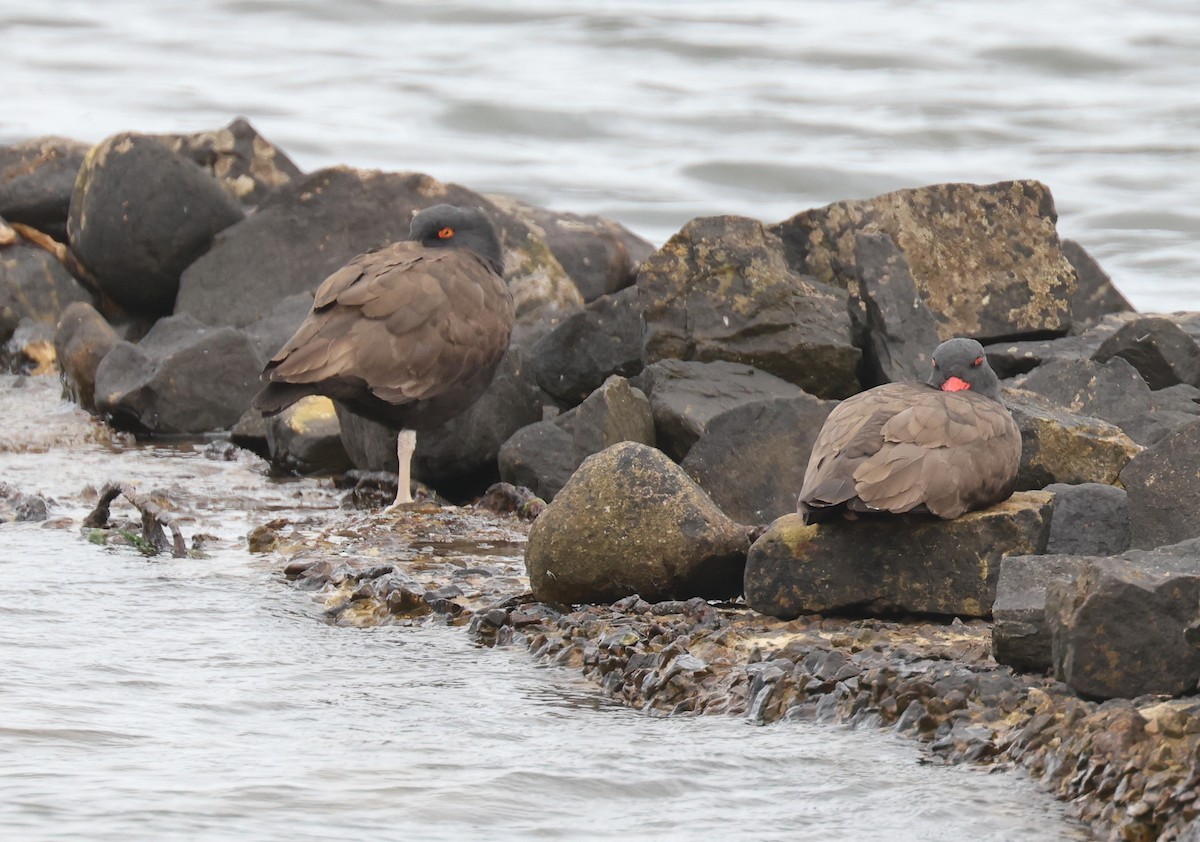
(960, 364)
(450, 226)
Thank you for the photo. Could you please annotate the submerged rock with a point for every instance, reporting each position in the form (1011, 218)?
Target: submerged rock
(630, 521)
(893, 564)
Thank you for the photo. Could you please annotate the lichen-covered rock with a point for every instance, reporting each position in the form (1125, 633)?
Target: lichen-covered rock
(1095, 295)
(630, 521)
(893, 564)
(1163, 487)
(573, 359)
(140, 214)
(81, 340)
(958, 243)
(686, 395)
(1020, 634)
(720, 290)
(306, 438)
(37, 177)
(751, 459)
(1120, 628)
(1158, 348)
(313, 225)
(1058, 446)
(183, 377)
(242, 161)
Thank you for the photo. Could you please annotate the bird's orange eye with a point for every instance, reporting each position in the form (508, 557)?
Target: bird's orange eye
(446, 233)
(978, 362)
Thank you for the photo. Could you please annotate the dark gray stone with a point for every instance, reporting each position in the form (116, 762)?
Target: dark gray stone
(1020, 634)
(1095, 296)
(572, 360)
(751, 459)
(37, 177)
(34, 284)
(686, 395)
(630, 521)
(721, 290)
(1158, 348)
(540, 457)
(1089, 519)
(183, 377)
(613, 413)
(1163, 487)
(140, 214)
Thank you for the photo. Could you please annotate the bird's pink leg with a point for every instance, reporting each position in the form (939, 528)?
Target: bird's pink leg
(406, 443)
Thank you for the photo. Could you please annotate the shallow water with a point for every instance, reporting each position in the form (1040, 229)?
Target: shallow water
(654, 113)
(205, 699)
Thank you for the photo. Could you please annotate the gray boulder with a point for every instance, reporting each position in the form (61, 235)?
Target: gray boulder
(720, 290)
(957, 241)
(1163, 487)
(1158, 348)
(540, 457)
(1095, 295)
(893, 564)
(34, 284)
(247, 165)
(140, 214)
(630, 521)
(686, 395)
(1090, 518)
(1122, 627)
(183, 377)
(37, 177)
(751, 459)
(1020, 633)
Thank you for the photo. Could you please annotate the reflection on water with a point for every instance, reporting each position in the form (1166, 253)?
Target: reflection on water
(656, 113)
(204, 699)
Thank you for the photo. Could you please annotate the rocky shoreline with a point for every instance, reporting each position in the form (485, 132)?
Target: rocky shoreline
(1129, 768)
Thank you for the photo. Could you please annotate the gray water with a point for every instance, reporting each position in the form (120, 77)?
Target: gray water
(205, 699)
(654, 113)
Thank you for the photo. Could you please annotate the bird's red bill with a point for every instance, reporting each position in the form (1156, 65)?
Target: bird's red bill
(955, 384)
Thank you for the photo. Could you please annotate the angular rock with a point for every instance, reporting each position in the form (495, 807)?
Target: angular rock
(1163, 487)
(540, 457)
(1057, 446)
(893, 564)
(248, 166)
(34, 283)
(314, 224)
(573, 359)
(1120, 627)
(36, 181)
(140, 214)
(1095, 296)
(720, 290)
(901, 331)
(600, 255)
(306, 438)
(751, 459)
(1089, 519)
(686, 395)
(183, 377)
(82, 339)
(1158, 348)
(1020, 634)
(630, 521)
(986, 259)
(615, 412)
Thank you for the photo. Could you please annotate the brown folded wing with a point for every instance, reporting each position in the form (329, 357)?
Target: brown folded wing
(905, 447)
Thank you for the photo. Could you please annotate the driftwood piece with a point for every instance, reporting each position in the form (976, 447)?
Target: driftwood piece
(153, 518)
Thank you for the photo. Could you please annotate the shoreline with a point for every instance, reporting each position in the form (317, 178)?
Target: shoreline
(1128, 769)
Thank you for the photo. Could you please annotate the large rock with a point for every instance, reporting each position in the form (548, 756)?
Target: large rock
(34, 285)
(986, 259)
(314, 224)
(1057, 446)
(242, 161)
(1158, 348)
(1020, 633)
(1121, 627)
(1163, 484)
(572, 360)
(600, 255)
(1089, 519)
(751, 459)
(720, 290)
(1095, 296)
(140, 214)
(36, 181)
(893, 564)
(540, 457)
(630, 521)
(306, 438)
(81, 340)
(183, 377)
(686, 395)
